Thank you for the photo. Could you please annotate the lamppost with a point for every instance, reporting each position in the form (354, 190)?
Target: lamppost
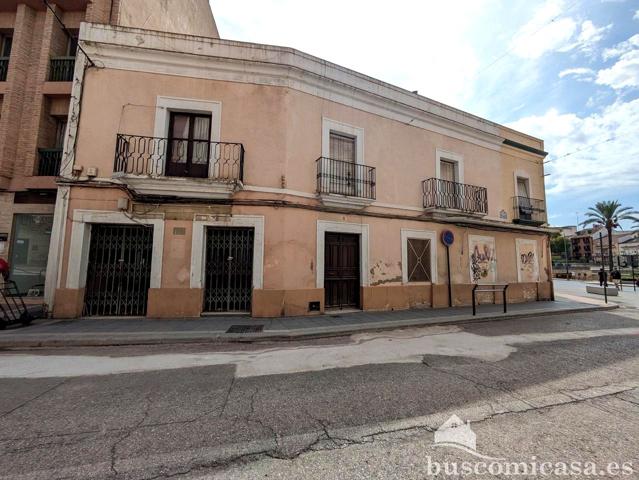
(603, 268)
(566, 256)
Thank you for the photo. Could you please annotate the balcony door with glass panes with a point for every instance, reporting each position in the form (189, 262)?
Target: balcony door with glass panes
(343, 176)
(189, 145)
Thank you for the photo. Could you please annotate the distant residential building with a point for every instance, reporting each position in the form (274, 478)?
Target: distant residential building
(581, 245)
(567, 231)
(617, 239)
(629, 245)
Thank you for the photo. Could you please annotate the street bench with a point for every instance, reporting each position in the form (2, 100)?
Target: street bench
(494, 287)
(597, 290)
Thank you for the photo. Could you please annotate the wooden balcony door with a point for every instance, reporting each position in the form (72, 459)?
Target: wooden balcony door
(189, 145)
(342, 148)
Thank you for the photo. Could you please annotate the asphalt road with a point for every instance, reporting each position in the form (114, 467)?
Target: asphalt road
(558, 389)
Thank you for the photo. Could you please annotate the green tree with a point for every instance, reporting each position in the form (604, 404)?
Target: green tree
(559, 245)
(608, 214)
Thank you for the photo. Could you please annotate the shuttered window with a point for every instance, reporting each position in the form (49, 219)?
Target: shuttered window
(522, 187)
(418, 260)
(447, 171)
(342, 147)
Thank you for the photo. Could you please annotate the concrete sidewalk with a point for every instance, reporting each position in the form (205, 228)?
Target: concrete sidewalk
(144, 331)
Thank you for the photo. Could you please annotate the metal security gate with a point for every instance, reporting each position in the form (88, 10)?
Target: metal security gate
(229, 270)
(119, 270)
(341, 270)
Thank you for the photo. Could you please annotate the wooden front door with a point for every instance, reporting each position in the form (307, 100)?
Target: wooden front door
(341, 270)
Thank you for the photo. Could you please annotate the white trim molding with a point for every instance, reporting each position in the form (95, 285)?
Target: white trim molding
(329, 126)
(56, 246)
(198, 250)
(166, 105)
(81, 241)
(523, 175)
(196, 57)
(424, 235)
(456, 158)
(360, 229)
(335, 200)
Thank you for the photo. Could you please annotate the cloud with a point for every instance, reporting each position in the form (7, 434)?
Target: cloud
(549, 32)
(545, 32)
(621, 48)
(588, 38)
(636, 17)
(595, 152)
(625, 72)
(581, 74)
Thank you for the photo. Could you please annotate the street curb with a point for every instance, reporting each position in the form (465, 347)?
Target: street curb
(152, 338)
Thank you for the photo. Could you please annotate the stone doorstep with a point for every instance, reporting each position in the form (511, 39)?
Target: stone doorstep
(38, 340)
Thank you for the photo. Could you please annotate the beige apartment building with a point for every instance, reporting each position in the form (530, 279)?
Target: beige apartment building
(37, 63)
(207, 176)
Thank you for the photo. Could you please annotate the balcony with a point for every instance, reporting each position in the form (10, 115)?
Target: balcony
(345, 184)
(61, 69)
(529, 211)
(444, 196)
(4, 67)
(49, 160)
(179, 168)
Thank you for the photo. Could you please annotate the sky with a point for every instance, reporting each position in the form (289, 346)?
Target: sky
(566, 71)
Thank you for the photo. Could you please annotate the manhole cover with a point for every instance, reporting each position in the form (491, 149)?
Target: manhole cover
(245, 329)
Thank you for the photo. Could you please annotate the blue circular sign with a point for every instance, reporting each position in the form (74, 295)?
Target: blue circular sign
(448, 238)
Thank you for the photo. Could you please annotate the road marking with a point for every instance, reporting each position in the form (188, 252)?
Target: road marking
(405, 346)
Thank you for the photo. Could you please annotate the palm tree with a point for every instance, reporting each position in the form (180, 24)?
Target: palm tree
(608, 214)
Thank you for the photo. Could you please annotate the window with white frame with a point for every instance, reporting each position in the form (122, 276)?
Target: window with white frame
(449, 166)
(448, 170)
(523, 187)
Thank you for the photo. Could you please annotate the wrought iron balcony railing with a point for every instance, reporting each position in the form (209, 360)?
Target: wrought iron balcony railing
(447, 195)
(156, 156)
(61, 69)
(49, 160)
(345, 178)
(4, 67)
(529, 210)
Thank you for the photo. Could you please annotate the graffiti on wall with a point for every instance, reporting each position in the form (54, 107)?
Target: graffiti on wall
(483, 260)
(527, 260)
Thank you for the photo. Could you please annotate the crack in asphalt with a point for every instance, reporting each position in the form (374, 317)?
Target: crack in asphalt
(48, 390)
(326, 441)
(128, 432)
(477, 384)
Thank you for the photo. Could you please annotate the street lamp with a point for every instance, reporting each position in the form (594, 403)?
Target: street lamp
(603, 268)
(566, 256)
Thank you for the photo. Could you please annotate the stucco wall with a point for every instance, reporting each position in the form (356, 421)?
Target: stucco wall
(191, 17)
(281, 130)
(290, 257)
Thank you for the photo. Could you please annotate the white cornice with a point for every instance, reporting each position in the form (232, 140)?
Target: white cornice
(198, 57)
